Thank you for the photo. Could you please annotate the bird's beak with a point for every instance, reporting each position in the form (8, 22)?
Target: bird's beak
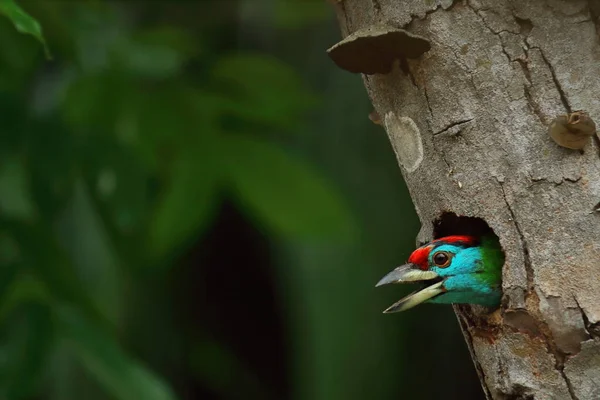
(410, 273)
(407, 273)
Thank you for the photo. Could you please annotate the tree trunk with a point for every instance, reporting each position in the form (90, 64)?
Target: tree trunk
(468, 121)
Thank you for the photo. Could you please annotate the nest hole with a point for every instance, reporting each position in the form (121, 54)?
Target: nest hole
(450, 223)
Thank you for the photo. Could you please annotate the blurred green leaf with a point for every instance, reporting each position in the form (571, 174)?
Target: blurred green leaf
(119, 180)
(19, 61)
(25, 340)
(149, 60)
(284, 193)
(97, 28)
(41, 253)
(119, 374)
(158, 53)
(20, 289)
(173, 37)
(10, 252)
(24, 22)
(96, 102)
(188, 202)
(170, 117)
(263, 89)
(15, 193)
(83, 236)
(296, 14)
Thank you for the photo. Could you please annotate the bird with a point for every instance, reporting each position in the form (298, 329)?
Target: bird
(458, 269)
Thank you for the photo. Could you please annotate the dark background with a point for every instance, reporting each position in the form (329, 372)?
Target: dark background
(195, 205)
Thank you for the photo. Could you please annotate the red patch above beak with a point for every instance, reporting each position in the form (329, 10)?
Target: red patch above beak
(420, 257)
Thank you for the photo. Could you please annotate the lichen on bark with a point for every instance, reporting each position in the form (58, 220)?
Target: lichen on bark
(482, 99)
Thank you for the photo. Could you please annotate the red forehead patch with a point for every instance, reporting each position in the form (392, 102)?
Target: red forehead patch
(420, 256)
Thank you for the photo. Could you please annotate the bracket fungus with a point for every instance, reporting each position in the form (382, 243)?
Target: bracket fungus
(374, 49)
(572, 130)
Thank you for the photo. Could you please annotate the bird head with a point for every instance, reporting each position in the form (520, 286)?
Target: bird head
(453, 269)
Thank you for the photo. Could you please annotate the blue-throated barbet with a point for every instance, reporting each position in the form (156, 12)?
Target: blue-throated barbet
(454, 269)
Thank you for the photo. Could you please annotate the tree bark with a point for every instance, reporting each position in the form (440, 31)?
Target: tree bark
(468, 121)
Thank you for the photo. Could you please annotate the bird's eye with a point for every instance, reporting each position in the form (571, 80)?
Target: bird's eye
(441, 259)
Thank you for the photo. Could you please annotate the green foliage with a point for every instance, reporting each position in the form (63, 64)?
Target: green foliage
(283, 192)
(26, 338)
(23, 21)
(188, 203)
(154, 54)
(121, 376)
(262, 89)
(119, 161)
(15, 196)
(292, 14)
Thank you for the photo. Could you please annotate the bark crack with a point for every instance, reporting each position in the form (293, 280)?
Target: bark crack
(597, 143)
(482, 18)
(594, 9)
(452, 125)
(504, 49)
(427, 101)
(563, 180)
(592, 329)
(417, 17)
(544, 329)
(524, 246)
(523, 63)
(569, 384)
(421, 17)
(559, 357)
(535, 108)
(552, 348)
(533, 105)
(405, 67)
(469, 340)
(563, 96)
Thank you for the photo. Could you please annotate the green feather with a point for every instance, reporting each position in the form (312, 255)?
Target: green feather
(493, 260)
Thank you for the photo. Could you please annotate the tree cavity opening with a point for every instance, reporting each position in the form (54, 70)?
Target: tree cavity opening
(449, 224)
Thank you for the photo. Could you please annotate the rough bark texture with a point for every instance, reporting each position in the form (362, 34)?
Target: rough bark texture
(468, 122)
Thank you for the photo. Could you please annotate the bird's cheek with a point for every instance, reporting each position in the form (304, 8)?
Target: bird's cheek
(459, 282)
(440, 271)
